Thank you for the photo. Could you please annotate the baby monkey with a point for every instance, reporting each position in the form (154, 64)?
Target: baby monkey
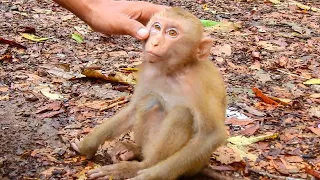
(177, 110)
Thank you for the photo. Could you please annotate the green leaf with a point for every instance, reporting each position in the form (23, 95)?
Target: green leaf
(209, 23)
(312, 81)
(77, 37)
(33, 37)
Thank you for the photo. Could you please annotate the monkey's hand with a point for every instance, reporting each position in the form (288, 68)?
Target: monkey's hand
(122, 170)
(86, 150)
(124, 151)
(75, 144)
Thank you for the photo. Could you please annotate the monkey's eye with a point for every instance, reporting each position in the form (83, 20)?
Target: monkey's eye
(156, 26)
(172, 32)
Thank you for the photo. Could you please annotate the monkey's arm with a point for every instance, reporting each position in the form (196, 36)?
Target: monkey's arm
(210, 134)
(108, 130)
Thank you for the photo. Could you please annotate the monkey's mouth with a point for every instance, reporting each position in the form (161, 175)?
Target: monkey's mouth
(153, 54)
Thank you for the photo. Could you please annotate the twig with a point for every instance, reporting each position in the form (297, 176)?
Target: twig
(114, 104)
(272, 175)
(117, 99)
(291, 74)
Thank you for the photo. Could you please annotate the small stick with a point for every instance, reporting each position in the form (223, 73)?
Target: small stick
(117, 99)
(272, 175)
(114, 104)
(291, 74)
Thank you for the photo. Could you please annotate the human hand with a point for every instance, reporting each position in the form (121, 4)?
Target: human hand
(121, 17)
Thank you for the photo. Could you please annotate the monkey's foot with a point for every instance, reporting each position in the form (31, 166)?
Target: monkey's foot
(125, 152)
(122, 170)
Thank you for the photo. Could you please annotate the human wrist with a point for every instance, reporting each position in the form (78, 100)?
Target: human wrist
(93, 8)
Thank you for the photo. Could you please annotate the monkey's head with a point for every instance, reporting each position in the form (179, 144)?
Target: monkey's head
(176, 39)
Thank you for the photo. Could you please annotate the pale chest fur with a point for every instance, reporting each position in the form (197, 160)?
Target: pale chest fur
(168, 87)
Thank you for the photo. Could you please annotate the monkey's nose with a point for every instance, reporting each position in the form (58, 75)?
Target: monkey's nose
(155, 43)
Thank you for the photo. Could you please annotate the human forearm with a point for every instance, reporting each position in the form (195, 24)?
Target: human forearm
(80, 8)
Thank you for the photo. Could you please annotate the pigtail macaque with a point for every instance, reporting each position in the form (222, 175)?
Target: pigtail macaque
(178, 108)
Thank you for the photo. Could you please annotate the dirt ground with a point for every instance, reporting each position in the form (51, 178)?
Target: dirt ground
(273, 47)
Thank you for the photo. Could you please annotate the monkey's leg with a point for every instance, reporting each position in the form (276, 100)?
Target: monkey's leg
(124, 151)
(149, 108)
(108, 130)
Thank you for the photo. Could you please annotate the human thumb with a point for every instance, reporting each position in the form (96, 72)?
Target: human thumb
(136, 29)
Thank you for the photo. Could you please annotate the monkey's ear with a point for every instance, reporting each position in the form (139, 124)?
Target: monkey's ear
(204, 49)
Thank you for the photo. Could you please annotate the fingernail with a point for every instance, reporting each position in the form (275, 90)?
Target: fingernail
(142, 32)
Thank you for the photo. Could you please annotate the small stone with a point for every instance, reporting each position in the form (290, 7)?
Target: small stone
(256, 54)
(31, 97)
(132, 54)
(14, 8)
(20, 77)
(61, 56)
(276, 77)
(19, 151)
(315, 88)
(25, 57)
(264, 53)
(60, 151)
(58, 172)
(42, 73)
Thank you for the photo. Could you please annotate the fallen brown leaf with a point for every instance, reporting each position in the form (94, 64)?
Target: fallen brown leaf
(11, 43)
(316, 95)
(279, 166)
(34, 152)
(294, 159)
(6, 57)
(226, 155)
(51, 158)
(4, 88)
(283, 61)
(251, 129)
(315, 130)
(50, 114)
(4, 98)
(98, 75)
(56, 105)
(27, 29)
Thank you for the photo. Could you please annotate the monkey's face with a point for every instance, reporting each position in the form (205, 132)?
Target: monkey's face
(169, 43)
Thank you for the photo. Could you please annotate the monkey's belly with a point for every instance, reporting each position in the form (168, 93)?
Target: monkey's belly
(148, 126)
(153, 126)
